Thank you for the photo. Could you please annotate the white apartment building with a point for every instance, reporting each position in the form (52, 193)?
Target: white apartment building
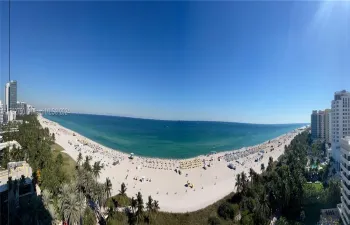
(7, 97)
(30, 109)
(21, 108)
(327, 125)
(10, 116)
(1, 113)
(340, 121)
(344, 206)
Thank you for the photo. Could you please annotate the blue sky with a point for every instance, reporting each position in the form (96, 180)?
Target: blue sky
(255, 61)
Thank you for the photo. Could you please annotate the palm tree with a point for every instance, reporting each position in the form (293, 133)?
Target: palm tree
(101, 194)
(133, 204)
(108, 187)
(149, 207)
(253, 176)
(122, 189)
(238, 182)
(244, 181)
(79, 159)
(270, 164)
(71, 204)
(46, 198)
(86, 164)
(155, 207)
(96, 169)
(140, 206)
(72, 208)
(282, 221)
(110, 213)
(264, 205)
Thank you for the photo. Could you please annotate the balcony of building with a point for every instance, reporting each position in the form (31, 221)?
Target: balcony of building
(346, 187)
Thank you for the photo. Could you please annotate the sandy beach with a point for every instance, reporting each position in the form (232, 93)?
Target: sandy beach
(158, 177)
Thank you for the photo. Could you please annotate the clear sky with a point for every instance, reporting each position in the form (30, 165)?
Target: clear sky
(254, 61)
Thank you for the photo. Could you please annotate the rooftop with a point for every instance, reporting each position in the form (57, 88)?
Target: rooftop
(15, 170)
(347, 139)
(9, 144)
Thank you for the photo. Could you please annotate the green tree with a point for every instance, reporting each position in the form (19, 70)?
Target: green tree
(155, 208)
(96, 169)
(108, 187)
(214, 220)
(262, 167)
(270, 164)
(226, 211)
(79, 159)
(282, 221)
(86, 164)
(89, 217)
(5, 158)
(140, 207)
(122, 190)
(59, 159)
(239, 184)
(149, 207)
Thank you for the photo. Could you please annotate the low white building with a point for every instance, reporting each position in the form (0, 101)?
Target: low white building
(10, 145)
(10, 116)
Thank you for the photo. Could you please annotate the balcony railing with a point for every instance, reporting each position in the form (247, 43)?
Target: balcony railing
(346, 197)
(346, 167)
(347, 158)
(346, 187)
(345, 206)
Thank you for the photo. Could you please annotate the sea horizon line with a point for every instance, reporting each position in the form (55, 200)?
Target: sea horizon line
(175, 120)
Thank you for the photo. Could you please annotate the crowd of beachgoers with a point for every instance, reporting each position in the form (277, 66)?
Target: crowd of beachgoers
(180, 185)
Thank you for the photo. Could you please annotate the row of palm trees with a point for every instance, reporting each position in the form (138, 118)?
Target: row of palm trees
(279, 189)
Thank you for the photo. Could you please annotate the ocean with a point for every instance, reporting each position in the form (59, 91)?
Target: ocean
(169, 139)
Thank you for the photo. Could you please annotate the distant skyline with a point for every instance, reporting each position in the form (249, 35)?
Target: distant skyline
(257, 61)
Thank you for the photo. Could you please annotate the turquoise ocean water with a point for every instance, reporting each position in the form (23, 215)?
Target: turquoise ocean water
(169, 139)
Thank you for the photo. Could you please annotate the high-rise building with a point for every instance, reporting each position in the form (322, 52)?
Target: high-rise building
(11, 95)
(7, 97)
(1, 113)
(340, 121)
(21, 108)
(327, 125)
(318, 127)
(330, 135)
(314, 124)
(344, 206)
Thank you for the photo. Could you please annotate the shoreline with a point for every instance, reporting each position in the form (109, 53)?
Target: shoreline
(173, 158)
(157, 177)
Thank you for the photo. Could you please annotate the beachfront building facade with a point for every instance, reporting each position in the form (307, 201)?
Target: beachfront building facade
(344, 206)
(327, 125)
(1, 113)
(314, 124)
(340, 122)
(21, 108)
(11, 95)
(318, 125)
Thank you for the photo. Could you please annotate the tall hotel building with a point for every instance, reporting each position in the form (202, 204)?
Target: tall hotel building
(320, 125)
(344, 206)
(11, 96)
(340, 122)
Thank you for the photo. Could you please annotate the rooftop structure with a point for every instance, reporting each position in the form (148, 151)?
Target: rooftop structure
(9, 144)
